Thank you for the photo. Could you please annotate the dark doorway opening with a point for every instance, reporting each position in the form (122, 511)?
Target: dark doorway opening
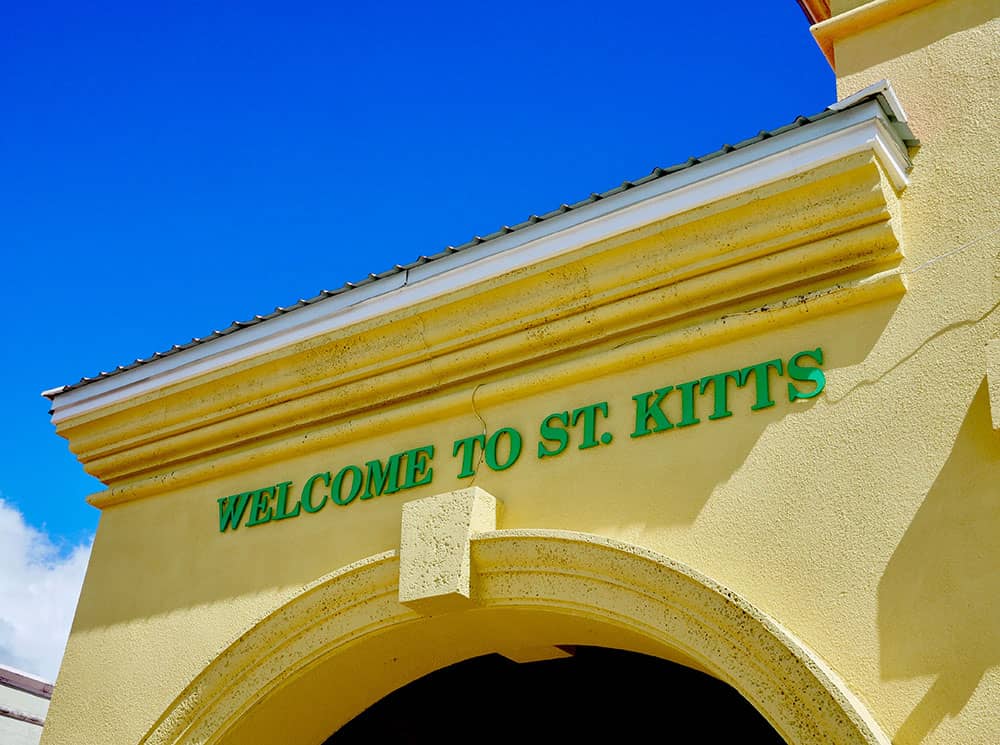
(597, 694)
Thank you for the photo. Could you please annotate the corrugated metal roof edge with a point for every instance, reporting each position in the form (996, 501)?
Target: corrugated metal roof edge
(880, 92)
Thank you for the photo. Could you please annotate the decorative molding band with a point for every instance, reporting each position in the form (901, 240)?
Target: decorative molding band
(458, 398)
(818, 232)
(860, 129)
(684, 278)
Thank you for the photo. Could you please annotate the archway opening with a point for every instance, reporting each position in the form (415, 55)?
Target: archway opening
(319, 661)
(594, 694)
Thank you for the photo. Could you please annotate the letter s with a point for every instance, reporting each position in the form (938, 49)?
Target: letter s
(797, 372)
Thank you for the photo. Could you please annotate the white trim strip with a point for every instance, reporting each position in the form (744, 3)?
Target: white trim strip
(20, 716)
(782, 156)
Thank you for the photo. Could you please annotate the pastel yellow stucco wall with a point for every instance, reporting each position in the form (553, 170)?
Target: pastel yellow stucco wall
(864, 520)
(938, 638)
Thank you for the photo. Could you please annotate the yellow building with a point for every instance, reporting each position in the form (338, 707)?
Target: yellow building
(739, 417)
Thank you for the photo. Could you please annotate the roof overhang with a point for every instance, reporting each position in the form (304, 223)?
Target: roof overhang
(870, 121)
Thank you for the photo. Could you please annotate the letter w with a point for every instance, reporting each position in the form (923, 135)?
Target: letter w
(231, 510)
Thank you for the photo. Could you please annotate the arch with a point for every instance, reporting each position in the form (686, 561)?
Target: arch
(345, 641)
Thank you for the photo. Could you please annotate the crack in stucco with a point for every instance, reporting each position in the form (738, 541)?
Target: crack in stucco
(482, 452)
(903, 360)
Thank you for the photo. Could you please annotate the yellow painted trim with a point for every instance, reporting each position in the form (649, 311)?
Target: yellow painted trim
(742, 263)
(832, 30)
(512, 386)
(627, 590)
(849, 225)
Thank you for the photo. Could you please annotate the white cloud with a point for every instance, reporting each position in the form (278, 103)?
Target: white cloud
(39, 589)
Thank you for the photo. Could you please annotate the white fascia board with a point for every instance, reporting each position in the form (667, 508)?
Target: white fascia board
(860, 129)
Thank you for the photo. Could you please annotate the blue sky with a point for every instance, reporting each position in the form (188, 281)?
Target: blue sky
(170, 168)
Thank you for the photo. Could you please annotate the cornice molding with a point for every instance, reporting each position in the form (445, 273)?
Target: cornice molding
(734, 254)
(302, 439)
(857, 130)
(825, 241)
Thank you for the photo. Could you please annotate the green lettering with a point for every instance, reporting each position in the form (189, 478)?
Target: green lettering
(306, 498)
(416, 463)
(555, 434)
(646, 410)
(687, 404)
(812, 374)
(384, 480)
(260, 510)
(280, 512)
(513, 453)
(589, 414)
(719, 392)
(337, 491)
(231, 510)
(467, 446)
(762, 382)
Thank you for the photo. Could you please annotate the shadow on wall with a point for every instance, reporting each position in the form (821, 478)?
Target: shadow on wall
(938, 607)
(692, 464)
